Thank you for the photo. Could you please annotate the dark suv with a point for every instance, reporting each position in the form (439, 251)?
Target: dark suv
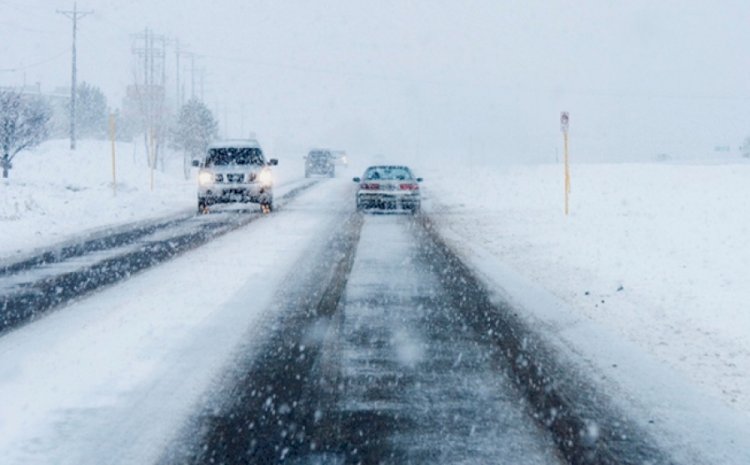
(319, 162)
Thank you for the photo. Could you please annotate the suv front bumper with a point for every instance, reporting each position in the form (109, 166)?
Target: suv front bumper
(232, 193)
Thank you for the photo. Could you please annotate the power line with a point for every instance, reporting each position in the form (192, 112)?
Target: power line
(150, 96)
(74, 15)
(40, 62)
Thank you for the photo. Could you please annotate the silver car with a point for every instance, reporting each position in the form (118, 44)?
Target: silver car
(319, 161)
(235, 171)
(388, 187)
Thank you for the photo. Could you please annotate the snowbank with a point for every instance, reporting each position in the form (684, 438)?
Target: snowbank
(653, 255)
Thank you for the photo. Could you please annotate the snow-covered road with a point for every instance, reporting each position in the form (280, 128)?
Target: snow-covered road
(379, 368)
(409, 360)
(122, 375)
(110, 379)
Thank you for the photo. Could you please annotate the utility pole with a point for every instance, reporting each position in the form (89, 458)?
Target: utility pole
(197, 89)
(75, 15)
(192, 76)
(151, 94)
(203, 79)
(180, 85)
(178, 98)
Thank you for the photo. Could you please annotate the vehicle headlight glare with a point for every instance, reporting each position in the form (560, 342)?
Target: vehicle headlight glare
(265, 178)
(205, 178)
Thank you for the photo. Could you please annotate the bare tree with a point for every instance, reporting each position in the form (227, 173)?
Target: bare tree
(23, 124)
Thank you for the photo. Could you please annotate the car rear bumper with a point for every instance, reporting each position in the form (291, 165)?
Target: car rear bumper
(388, 201)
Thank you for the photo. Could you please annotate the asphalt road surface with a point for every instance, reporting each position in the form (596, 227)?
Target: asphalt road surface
(377, 367)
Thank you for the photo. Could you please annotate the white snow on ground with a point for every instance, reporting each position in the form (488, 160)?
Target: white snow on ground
(645, 282)
(54, 194)
(111, 379)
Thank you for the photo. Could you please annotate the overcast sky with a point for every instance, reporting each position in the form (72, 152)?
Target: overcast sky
(478, 80)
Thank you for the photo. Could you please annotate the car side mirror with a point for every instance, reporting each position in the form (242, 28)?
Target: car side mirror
(196, 163)
(356, 179)
(420, 179)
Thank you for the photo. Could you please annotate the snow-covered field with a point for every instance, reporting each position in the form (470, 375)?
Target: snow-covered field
(657, 252)
(645, 281)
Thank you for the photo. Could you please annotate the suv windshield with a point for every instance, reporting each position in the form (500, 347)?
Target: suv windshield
(234, 156)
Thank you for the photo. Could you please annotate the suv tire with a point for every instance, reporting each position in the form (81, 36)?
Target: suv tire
(266, 207)
(202, 207)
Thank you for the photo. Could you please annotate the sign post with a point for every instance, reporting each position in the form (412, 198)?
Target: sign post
(564, 122)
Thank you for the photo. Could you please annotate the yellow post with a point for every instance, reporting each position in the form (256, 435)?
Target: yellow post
(112, 133)
(151, 156)
(567, 174)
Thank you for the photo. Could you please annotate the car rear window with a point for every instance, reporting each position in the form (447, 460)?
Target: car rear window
(234, 156)
(319, 155)
(388, 172)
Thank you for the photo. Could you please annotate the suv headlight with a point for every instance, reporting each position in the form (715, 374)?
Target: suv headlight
(265, 178)
(205, 178)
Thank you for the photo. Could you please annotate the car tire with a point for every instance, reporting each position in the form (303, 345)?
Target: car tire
(202, 207)
(266, 207)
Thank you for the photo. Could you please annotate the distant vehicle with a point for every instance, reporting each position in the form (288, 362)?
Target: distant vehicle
(340, 158)
(235, 171)
(319, 162)
(391, 187)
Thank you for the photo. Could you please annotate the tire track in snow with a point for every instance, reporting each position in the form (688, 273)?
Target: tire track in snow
(48, 286)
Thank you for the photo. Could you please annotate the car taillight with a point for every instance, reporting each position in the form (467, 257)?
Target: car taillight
(372, 186)
(409, 187)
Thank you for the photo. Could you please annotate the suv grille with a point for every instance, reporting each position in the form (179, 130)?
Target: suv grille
(235, 177)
